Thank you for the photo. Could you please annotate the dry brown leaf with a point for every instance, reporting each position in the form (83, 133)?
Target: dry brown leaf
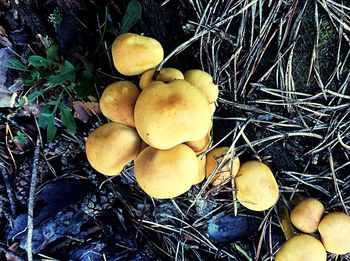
(85, 110)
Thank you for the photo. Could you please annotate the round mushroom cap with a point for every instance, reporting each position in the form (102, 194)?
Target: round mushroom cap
(307, 215)
(204, 82)
(302, 248)
(111, 146)
(167, 114)
(223, 175)
(202, 159)
(165, 75)
(256, 186)
(165, 174)
(334, 229)
(118, 101)
(134, 54)
(212, 107)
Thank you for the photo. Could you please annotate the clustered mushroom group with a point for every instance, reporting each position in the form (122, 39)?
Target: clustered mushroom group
(164, 126)
(308, 217)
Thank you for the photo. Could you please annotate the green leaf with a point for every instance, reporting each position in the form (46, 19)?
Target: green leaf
(38, 61)
(85, 88)
(17, 64)
(52, 51)
(67, 73)
(44, 116)
(32, 96)
(132, 16)
(51, 130)
(68, 119)
(20, 138)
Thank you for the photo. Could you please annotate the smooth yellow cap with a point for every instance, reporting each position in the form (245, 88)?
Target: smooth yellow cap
(111, 146)
(117, 102)
(256, 186)
(165, 174)
(165, 75)
(134, 54)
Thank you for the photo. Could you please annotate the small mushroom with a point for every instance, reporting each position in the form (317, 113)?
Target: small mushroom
(256, 186)
(118, 101)
(165, 75)
(167, 114)
(302, 248)
(165, 174)
(134, 54)
(334, 229)
(111, 146)
(307, 215)
(223, 175)
(204, 82)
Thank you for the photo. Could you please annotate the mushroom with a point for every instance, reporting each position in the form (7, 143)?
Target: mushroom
(118, 101)
(202, 159)
(111, 146)
(134, 54)
(256, 186)
(165, 75)
(212, 107)
(224, 174)
(165, 174)
(302, 248)
(334, 229)
(200, 145)
(307, 215)
(204, 82)
(167, 114)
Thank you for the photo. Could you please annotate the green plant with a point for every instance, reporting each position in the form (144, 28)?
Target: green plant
(55, 17)
(50, 83)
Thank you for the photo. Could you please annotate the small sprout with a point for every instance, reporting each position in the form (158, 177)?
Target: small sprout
(56, 17)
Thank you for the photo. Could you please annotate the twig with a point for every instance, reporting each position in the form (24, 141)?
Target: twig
(9, 190)
(10, 253)
(31, 200)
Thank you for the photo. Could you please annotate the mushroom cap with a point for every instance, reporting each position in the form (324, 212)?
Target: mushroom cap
(256, 186)
(307, 215)
(204, 82)
(133, 54)
(334, 229)
(212, 107)
(165, 174)
(167, 114)
(111, 146)
(202, 159)
(223, 175)
(118, 101)
(165, 75)
(302, 248)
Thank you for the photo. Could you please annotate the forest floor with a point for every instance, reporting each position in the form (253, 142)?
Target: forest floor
(283, 72)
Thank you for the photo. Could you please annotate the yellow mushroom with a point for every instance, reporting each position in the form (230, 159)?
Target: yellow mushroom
(111, 146)
(307, 215)
(256, 186)
(165, 174)
(167, 114)
(118, 101)
(165, 75)
(134, 54)
(302, 248)
(202, 159)
(224, 174)
(204, 82)
(334, 229)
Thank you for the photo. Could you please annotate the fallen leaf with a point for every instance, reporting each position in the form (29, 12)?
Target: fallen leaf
(85, 110)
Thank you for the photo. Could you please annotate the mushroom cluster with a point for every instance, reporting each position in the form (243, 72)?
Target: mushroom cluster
(163, 124)
(308, 217)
